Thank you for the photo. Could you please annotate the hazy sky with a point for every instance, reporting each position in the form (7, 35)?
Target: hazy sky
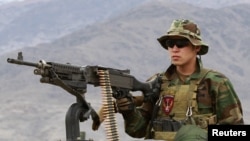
(5, 1)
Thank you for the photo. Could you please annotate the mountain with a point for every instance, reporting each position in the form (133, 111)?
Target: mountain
(215, 4)
(28, 23)
(31, 110)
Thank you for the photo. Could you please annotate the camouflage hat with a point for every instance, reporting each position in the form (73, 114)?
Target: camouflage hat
(187, 29)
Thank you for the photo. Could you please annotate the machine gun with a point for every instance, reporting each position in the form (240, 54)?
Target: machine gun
(74, 79)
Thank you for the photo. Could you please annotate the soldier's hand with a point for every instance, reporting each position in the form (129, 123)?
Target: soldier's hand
(125, 104)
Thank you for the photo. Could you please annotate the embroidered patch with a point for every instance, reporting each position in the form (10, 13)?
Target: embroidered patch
(168, 103)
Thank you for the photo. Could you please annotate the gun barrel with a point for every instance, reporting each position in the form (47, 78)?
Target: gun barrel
(21, 62)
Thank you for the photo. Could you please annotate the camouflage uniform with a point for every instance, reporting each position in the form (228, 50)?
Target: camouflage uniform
(205, 97)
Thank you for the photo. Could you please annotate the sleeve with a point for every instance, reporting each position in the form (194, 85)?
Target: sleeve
(136, 123)
(228, 105)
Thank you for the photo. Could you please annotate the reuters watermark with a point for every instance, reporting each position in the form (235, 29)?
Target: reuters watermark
(241, 132)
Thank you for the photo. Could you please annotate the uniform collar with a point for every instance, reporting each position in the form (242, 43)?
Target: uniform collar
(171, 71)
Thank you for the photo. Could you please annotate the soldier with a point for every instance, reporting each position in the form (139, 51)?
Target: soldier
(191, 97)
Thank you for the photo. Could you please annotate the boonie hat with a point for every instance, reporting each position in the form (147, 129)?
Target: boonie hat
(187, 29)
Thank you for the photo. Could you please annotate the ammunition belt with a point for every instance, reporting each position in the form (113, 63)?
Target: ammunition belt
(108, 107)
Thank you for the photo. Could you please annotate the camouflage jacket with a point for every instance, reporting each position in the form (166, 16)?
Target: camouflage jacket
(224, 102)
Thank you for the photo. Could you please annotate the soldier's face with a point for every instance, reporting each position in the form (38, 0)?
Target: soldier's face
(181, 51)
